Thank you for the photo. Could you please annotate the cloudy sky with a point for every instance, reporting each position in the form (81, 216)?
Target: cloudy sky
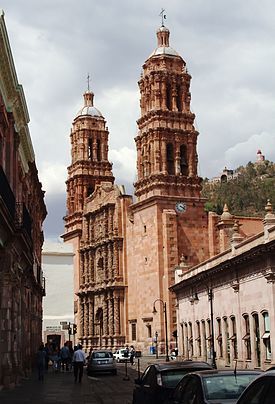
(229, 48)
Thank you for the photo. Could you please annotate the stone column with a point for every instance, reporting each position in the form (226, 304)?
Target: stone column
(105, 317)
(163, 157)
(81, 318)
(117, 315)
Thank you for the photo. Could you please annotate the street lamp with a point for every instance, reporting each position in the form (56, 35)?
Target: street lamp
(165, 321)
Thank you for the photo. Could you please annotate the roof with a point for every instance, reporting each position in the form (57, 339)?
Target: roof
(163, 366)
(215, 372)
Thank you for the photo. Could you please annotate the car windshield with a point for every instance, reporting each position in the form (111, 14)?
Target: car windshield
(101, 355)
(170, 378)
(226, 386)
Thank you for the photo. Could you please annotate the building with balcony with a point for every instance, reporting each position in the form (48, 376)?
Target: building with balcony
(22, 212)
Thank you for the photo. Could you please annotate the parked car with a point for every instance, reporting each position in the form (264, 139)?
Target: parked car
(120, 355)
(101, 361)
(212, 386)
(260, 391)
(160, 379)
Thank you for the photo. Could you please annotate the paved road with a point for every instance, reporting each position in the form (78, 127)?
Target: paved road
(59, 388)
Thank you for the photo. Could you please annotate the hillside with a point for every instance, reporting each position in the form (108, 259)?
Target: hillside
(245, 195)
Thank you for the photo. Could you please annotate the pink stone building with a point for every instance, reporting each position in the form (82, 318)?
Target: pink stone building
(126, 249)
(22, 212)
(226, 303)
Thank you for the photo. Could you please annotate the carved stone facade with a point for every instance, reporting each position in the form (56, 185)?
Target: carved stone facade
(127, 249)
(22, 211)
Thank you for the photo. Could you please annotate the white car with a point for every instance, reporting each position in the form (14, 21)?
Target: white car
(121, 355)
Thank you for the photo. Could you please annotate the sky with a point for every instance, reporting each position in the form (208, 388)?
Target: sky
(229, 49)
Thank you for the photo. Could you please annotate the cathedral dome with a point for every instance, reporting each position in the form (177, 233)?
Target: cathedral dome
(163, 43)
(88, 108)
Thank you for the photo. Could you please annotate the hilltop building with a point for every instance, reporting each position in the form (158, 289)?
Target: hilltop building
(126, 249)
(22, 212)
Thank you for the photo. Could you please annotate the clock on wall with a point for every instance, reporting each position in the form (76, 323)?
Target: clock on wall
(181, 207)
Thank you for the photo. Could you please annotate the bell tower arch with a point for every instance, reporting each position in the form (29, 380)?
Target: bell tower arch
(167, 140)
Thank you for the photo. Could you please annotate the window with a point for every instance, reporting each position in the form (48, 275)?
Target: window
(98, 151)
(179, 98)
(134, 331)
(246, 337)
(198, 339)
(149, 330)
(183, 160)
(191, 346)
(90, 148)
(266, 336)
(168, 96)
(257, 338)
(219, 337)
(227, 342)
(233, 337)
(170, 159)
(204, 347)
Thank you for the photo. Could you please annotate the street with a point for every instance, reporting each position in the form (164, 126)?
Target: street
(60, 388)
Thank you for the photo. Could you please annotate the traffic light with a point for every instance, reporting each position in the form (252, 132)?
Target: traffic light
(74, 329)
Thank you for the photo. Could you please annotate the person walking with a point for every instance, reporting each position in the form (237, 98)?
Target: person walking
(132, 354)
(65, 356)
(79, 360)
(41, 361)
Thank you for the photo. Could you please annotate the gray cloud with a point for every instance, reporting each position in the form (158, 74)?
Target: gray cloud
(229, 51)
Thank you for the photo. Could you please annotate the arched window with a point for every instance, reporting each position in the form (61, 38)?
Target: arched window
(198, 339)
(179, 98)
(183, 160)
(90, 190)
(98, 151)
(246, 337)
(168, 96)
(170, 159)
(266, 336)
(90, 149)
(256, 337)
(233, 337)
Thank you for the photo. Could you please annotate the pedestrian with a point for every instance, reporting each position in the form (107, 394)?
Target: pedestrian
(47, 358)
(65, 357)
(79, 360)
(132, 354)
(41, 361)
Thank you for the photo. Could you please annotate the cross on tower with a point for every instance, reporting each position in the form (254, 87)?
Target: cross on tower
(163, 16)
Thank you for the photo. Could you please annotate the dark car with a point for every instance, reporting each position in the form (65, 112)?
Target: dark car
(101, 361)
(160, 379)
(212, 386)
(260, 391)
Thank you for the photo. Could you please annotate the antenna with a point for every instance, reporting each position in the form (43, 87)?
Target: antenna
(163, 16)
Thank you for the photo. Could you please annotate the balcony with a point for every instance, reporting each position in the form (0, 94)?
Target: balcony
(6, 193)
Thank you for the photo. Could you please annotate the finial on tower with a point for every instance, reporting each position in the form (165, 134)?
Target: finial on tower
(163, 16)
(88, 81)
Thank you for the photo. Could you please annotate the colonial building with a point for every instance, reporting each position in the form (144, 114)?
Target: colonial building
(22, 211)
(57, 265)
(226, 304)
(126, 248)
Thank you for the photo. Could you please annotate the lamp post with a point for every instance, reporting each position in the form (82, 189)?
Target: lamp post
(165, 322)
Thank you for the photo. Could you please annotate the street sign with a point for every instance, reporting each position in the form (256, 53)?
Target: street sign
(63, 322)
(65, 326)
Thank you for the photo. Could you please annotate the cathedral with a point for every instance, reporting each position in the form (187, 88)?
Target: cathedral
(127, 248)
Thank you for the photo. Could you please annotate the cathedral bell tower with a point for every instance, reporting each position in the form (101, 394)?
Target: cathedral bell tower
(167, 140)
(89, 165)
